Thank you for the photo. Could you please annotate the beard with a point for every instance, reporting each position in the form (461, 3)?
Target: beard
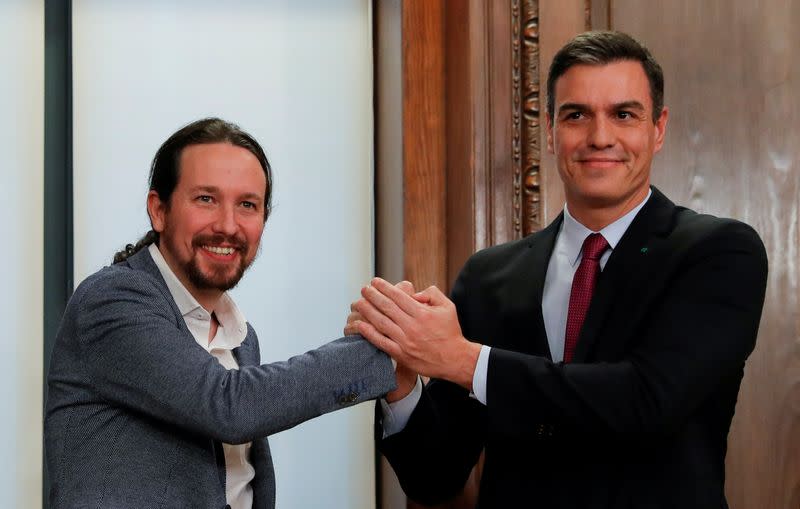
(217, 277)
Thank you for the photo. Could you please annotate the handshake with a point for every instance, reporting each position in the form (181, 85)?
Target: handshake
(419, 330)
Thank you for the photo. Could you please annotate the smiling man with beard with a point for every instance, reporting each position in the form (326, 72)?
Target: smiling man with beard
(157, 397)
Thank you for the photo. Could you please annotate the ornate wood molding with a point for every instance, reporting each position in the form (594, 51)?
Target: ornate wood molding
(516, 115)
(526, 145)
(588, 15)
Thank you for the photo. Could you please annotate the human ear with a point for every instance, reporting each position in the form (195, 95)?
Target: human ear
(156, 209)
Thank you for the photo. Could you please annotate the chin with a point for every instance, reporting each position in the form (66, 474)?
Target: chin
(599, 192)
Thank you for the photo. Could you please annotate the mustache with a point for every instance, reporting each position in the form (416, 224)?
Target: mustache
(237, 242)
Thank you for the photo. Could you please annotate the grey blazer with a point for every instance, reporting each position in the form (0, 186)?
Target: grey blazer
(137, 410)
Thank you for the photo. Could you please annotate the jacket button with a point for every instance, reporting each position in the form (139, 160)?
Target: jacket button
(350, 398)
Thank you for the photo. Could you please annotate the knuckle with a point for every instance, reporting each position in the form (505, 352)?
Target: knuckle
(425, 314)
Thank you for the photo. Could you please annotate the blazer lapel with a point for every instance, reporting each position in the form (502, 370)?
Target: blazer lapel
(246, 354)
(524, 318)
(627, 261)
(142, 261)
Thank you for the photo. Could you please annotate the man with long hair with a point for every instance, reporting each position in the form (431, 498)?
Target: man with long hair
(157, 397)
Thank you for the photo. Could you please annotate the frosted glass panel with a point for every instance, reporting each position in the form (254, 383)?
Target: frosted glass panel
(298, 76)
(22, 167)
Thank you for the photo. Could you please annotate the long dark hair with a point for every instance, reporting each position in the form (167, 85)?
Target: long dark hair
(165, 170)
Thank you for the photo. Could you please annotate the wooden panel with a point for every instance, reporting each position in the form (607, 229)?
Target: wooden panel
(466, 132)
(599, 14)
(528, 125)
(729, 151)
(503, 222)
(424, 210)
(563, 19)
(480, 179)
(732, 83)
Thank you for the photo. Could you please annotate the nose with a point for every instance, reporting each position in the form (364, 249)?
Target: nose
(601, 133)
(225, 222)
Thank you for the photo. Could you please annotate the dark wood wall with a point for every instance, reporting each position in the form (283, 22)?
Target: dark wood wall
(732, 74)
(475, 172)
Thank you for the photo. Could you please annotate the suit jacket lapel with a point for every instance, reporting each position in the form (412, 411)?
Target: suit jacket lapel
(624, 265)
(525, 293)
(246, 354)
(142, 261)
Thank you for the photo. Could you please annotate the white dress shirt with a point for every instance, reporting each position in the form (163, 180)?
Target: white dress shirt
(563, 263)
(231, 332)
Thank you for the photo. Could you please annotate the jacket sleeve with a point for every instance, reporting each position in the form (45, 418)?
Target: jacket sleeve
(136, 356)
(694, 338)
(436, 451)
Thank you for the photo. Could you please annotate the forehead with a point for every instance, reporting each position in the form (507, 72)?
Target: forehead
(598, 85)
(221, 165)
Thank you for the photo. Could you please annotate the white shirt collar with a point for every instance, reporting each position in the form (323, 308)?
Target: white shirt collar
(226, 311)
(574, 233)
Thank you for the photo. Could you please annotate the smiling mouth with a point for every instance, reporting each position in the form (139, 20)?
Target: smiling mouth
(224, 251)
(600, 163)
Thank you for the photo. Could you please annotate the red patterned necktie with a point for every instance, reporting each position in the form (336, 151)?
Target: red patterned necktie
(582, 289)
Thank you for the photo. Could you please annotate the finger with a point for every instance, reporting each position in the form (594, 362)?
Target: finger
(386, 305)
(350, 327)
(380, 341)
(406, 287)
(353, 316)
(435, 296)
(403, 301)
(379, 320)
(422, 298)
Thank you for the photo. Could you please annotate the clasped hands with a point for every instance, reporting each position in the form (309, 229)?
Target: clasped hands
(420, 331)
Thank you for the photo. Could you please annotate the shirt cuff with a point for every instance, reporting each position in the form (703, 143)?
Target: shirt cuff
(479, 377)
(397, 414)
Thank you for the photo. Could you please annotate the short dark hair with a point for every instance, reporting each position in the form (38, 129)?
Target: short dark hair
(165, 169)
(601, 48)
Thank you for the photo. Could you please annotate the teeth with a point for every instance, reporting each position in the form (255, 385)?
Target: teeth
(219, 250)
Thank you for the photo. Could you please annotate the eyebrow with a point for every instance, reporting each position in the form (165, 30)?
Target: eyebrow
(572, 106)
(636, 105)
(214, 189)
(207, 189)
(629, 105)
(252, 197)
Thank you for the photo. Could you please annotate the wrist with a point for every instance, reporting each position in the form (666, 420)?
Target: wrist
(406, 380)
(467, 360)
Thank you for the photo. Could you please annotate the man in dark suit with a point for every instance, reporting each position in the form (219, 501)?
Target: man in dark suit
(157, 397)
(597, 362)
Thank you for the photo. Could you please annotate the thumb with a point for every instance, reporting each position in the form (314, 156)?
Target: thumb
(406, 287)
(422, 297)
(433, 296)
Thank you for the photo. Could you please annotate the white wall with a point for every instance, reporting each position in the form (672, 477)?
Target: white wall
(21, 264)
(298, 76)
